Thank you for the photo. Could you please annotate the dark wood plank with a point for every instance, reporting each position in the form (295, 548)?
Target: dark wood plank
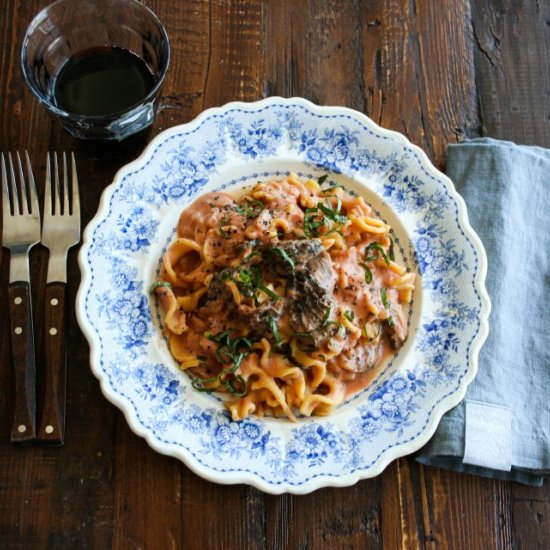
(472, 510)
(147, 485)
(348, 518)
(399, 521)
(530, 511)
(235, 517)
(313, 50)
(234, 67)
(512, 56)
(188, 27)
(419, 72)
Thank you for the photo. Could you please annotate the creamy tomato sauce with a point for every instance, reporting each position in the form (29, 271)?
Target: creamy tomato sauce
(286, 298)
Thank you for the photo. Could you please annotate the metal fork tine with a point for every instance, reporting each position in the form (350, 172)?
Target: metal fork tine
(29, 199)
(75, 205)
(25, 205)
(5, 194)
(55, 187)
(65, 201)
(33, 203)
(48, 189)
(14, 194)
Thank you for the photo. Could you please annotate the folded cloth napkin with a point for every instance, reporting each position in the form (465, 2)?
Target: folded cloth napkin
(502, 428)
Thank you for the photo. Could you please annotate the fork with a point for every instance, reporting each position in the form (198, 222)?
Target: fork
(60, 231)
(21, 231)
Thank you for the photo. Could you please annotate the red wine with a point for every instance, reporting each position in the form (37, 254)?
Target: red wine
(102, 81)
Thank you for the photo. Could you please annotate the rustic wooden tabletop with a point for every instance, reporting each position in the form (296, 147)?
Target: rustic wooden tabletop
(437, 71)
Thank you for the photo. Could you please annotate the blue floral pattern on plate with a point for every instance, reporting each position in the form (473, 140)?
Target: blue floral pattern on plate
(238, 144)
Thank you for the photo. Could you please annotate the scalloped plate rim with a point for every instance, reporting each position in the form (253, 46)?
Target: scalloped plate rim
(252, 478)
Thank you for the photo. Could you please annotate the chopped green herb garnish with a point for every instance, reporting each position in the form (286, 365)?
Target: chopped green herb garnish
(280, 259)
(324, 215)
(384, 296)
(199, 383)
(332, 184)
(373, 251)
(339, 329)
(312, 222)
(390, 251)
(242, 382)
(390, 322)
(224, 221)
(272, 294)
(231, 352)
(366, 335)
(322, 179)
(368, 273)
(349, 315)
(333, 213)
(249, 281)
(250, 209)
(158, 284)
(273, 328)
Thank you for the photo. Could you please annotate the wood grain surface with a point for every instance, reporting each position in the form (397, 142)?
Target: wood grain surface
(436, 71)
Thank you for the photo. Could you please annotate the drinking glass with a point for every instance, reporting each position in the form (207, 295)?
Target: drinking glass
(66, 29)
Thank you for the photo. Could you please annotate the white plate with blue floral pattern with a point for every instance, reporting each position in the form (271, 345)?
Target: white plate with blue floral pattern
(232, 146)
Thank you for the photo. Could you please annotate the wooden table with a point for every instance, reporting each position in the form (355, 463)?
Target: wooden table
(437, 71)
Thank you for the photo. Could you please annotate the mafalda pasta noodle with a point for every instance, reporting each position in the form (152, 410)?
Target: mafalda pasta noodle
(285, 298)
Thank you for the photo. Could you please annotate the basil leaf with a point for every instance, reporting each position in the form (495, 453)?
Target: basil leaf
(333, 214)
(368, 273)
(349, 315)
(198, 384)
(225, 219)
(312, 222)
(274, 329)
(280, 259)
(384, 296)
(390, 251)
(243, 383)
(158, 284)
(379, 251)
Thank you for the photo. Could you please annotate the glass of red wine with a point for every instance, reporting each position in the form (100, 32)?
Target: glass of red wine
(97, 65)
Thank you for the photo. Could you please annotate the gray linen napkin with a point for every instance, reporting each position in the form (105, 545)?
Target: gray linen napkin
(502, 428)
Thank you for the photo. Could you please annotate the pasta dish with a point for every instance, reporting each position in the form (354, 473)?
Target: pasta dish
(286, 297)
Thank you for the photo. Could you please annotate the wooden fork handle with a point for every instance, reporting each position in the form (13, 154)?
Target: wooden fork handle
(23, 363)
(52, 421)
